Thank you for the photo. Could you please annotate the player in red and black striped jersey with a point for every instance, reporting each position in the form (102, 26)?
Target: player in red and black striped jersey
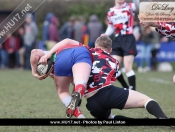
(166, 29)
(103, 71)
(120, 22)
(101, 95)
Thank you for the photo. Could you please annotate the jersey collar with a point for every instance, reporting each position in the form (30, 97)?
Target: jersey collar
(124, 4)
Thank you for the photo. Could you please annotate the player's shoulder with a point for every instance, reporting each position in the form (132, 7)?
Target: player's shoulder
(112, 8)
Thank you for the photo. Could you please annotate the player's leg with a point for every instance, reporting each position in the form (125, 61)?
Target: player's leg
(81, 71)
(128, 64)
(148, 57)
(120, 77)
(120, 98)
(62, 88)
(118, 53)
(63, 68)
(130, 51)
(21, 57)
(139, 100)
(174, 79)
(96, 109)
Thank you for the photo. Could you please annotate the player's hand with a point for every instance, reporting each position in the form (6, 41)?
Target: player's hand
(174, 79)
(44, 58)
(39, 77)
(148, 24)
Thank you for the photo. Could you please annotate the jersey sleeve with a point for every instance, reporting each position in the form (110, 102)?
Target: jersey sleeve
(132, 6)
(53, 57)
(109, 14)
(114, 77)
(166, 29)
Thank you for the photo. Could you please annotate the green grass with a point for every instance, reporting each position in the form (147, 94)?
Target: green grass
(22, 96)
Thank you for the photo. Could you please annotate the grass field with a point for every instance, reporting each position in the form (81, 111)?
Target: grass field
(22, 96)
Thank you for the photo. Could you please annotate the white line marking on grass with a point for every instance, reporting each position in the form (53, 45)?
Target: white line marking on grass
(158, 80)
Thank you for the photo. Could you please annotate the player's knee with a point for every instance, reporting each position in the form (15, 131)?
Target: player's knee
(128, 68)
(145, 100)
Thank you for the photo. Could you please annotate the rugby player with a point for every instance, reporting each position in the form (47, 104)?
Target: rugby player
(120, 21)
(165, 29)
(68, 61)
(101, 95)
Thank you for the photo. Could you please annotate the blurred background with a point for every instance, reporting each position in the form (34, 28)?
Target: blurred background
(84, 21)
(23, 96)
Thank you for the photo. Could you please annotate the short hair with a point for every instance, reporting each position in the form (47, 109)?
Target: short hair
(104, 42)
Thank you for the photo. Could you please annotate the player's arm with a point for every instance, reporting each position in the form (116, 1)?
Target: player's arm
(110, 29)
(59, 45)
(114, 77)
(135, 5)
(36, 54)
(165, 29)
(150, 24)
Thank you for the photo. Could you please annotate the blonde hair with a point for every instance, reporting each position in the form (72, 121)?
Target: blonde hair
(104, 42)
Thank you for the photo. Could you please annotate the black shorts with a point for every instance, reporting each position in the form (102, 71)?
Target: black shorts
(124, 45)
(105, 99)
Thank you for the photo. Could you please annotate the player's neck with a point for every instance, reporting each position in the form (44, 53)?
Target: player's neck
(118, 5)
(104, 49)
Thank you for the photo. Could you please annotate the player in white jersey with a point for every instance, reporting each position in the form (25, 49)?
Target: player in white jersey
(120, 21)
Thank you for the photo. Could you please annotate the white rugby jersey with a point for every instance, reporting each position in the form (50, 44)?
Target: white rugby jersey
(122, 18)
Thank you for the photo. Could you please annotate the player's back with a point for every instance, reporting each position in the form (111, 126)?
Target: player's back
(103, 68)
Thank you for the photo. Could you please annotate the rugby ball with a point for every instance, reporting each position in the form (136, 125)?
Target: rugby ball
(44, 69)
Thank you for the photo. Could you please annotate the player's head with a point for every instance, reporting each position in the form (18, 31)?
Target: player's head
(120, 1)
(104, 42)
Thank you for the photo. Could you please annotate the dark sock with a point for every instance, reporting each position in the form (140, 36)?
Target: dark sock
(154, 109)
(122, 81)
(132, 82)
(122, 117)
(125, 117)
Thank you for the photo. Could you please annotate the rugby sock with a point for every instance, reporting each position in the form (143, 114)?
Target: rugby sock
(66, 100)
(111, 116)
(80, 88)
(154, 109)
(121, 79)
(125, 117)
(77, 112)
(122, 117)
(131, 79)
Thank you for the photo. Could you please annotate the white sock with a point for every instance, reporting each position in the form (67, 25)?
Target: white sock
(111, 116)
(131, 73)
(80, 82)
(66, 100)
(81, 116)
